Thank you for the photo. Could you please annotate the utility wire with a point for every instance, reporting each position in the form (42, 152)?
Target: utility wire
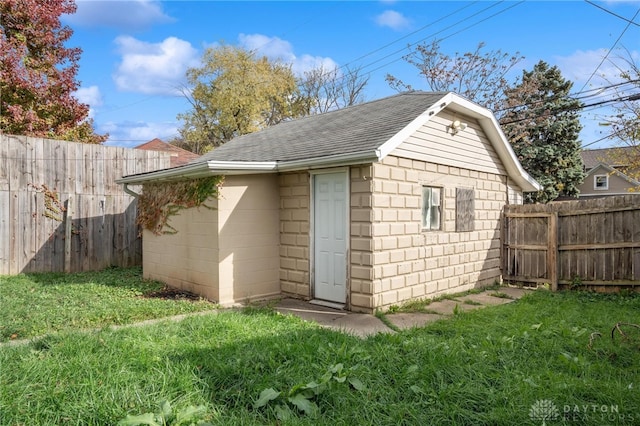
(438, 32)
(609, 51)
(611, 13)
(551, 113)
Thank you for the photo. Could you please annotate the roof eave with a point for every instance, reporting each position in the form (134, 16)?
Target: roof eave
(488, 123)
(200, 169)
(338, 160)
(492, 129)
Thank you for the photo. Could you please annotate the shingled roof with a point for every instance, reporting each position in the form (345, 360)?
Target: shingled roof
(614, 157)
(179, 156)
(360, 134)
(359, 128)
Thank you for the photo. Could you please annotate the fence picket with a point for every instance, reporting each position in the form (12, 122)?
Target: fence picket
(102, 230)
(594, 242)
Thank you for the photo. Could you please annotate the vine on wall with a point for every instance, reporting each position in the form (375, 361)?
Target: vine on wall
(161, 200)
(53, 207)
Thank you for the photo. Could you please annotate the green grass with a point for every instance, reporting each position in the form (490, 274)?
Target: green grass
(36, 304)
(484, 367)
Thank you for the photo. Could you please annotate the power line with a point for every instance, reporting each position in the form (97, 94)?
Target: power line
(438, 32)
(634, 97)
(574, 96)
(611, 13)
(609, 51)
(409, 35)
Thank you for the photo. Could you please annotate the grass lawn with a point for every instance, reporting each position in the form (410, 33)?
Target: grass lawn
(536, 359)
(37, 304)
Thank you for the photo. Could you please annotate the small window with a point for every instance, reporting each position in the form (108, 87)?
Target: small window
(465, 209)
(431, 212)
(601, 182)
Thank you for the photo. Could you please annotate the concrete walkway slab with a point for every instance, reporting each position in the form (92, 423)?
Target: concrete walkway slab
(363, 325)
(309, 312)
(443, 307)
(513, 292)
(406, 321)
(485, 299)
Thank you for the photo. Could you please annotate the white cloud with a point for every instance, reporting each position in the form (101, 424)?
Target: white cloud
(124, 15)
(273, 48)
(580, 66)
(91, 96)
(276, 49)
(131, 134)
(308, 62)
(154, 68)
(393, 20)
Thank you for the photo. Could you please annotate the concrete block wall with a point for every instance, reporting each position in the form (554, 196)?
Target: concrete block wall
(294, 233)
(188, 259)
(361, 242)
(407, 262)
(248, 238)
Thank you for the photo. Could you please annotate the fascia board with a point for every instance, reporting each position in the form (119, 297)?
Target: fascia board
(395, 141)
(197, 170)
(329, 161)
(494, 132)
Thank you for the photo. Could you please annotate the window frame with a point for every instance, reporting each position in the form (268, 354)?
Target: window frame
(596, 187)
(427, 211)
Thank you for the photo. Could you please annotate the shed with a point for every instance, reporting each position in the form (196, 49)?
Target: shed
(361, 208)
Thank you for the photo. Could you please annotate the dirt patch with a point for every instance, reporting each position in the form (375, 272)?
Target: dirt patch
(169, 293)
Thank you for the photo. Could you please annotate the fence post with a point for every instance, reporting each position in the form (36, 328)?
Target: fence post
(552, 250)
(67, 235)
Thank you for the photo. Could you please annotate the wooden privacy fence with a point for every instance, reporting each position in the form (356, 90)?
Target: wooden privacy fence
(592, 242)
(60, 208)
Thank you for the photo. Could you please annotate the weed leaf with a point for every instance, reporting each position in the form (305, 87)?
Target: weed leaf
(303, 404)
(165, 409)
(412, 368)
(265, 396)
(416, 389)
(190, 414)
(143, 419)
(356, 383)
(283, 412)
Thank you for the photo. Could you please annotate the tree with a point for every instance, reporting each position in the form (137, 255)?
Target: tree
(38, 73)
(542, 123)
(478, 76)
(329, 90)
(234, 93)
(625, 120)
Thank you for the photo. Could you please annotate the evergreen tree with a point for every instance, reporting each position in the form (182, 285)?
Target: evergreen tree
(542, 123)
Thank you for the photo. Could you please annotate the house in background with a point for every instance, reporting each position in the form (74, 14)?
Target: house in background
(607, 172)
(362, 208)
(179, 156)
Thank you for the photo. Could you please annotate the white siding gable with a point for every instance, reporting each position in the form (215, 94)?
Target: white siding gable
(435, 142)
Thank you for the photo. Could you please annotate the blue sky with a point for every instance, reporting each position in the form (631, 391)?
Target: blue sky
(135, 53)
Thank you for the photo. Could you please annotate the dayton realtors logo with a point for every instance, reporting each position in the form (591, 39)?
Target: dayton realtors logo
(546, 411)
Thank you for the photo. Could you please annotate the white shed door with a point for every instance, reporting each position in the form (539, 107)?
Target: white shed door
(330, 236)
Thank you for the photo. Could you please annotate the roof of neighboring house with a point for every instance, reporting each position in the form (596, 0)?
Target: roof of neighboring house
(179, 156)
(362, 133)
(614, 157)
(605, 168)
